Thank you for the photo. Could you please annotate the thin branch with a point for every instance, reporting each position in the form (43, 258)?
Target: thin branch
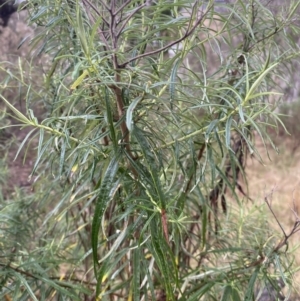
(122, 7)
(93, 7)
(112, 7)
(265, 38)
(186, 35)
(112, 30)
(128, 18)
(104, 4)
(284, 240)
(269, 205)
(100, 32)
(192, 14)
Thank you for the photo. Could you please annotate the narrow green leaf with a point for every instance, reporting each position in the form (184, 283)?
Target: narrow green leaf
(212, 165)
(204, 220)
(228, 132)
(219, 142)
(152, 165)
(173, 78)
(116, 244)
(66, 288)
(166, 268)
(39, 14)
(279, 266)
(46, 146)
(257, 82)
(235, 295)
(82, 34)
(106, 186)
(110, 120)
(250, 288)
(136, 274)
(129, 112)
(41, 138)
(293, 9)
(95, 29)
(26, 285)
(210, 128)
(227, 294)
(202, 291)
(241, 113)
(19, 115)
(102, 276)
(23, 143)
(62, 157)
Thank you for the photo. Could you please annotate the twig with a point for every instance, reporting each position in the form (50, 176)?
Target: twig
(128, 18)
(296, 227)
(186, 35)
(264, 38)
(270, 208)
(104, 4)
(112, 29)
(96, 11)
(100, 32)
(93, 7)
(122, 7)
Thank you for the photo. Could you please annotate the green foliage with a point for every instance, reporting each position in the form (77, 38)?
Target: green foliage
(139, 149)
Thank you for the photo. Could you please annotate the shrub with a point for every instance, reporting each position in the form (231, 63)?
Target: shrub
(138, 151)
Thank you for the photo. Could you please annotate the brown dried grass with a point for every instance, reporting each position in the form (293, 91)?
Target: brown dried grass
(278, 179)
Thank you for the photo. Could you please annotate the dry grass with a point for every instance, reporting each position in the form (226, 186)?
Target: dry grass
(278, 179)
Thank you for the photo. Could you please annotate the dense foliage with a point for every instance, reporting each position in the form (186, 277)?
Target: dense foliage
(150, 110)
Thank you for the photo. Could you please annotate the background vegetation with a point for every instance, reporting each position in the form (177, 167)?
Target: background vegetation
(142, 116)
